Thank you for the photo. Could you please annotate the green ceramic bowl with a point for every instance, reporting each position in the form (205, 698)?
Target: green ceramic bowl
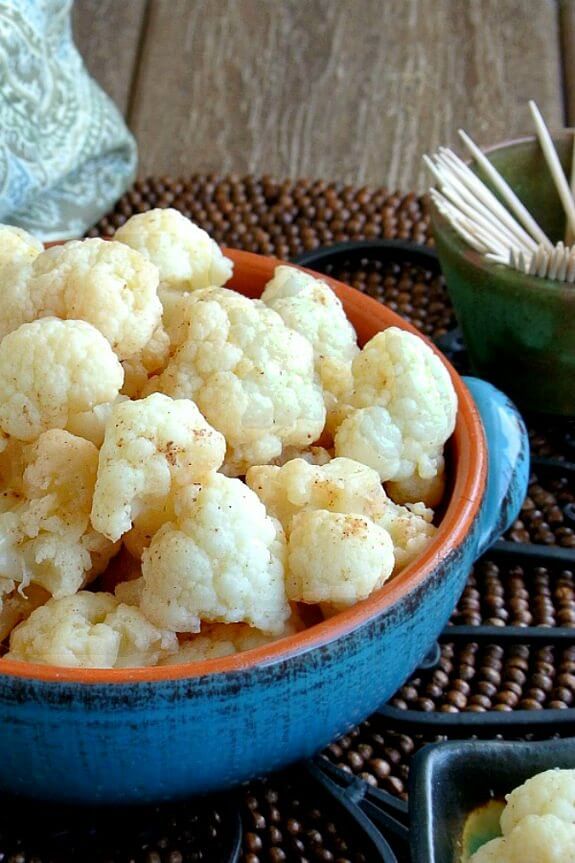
(519, 330)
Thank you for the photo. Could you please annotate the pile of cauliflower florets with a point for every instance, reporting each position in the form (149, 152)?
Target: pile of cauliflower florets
(159, 443)
(538, 822)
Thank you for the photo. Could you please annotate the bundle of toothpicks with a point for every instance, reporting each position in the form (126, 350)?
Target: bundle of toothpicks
(505, 233)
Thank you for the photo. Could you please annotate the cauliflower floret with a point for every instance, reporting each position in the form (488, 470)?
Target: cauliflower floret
(152, 359)
(90, 630)
(549, 793)
(310, 307)
(430, 491)
(535, 839)
(336, 557)
(222, 561)
(251, 376)
(224, 639)
(150, 446)
(17, 245)
(91, 425)
(411, 529)
(408, 407)
(185, 255)
(130, 591)
(370, 436)
(177, 309)
(312, 454)
(104, 283)
(17, 605)
(51, 371)
(18, 250)
(46, 536)
(492, 852)
(343, 486)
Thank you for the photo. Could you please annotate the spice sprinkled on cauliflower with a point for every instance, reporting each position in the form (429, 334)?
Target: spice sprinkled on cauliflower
(343, 486)
(104, 283)
(185, 255)
(47, 538)
(150, 446)
(222, 561)
(336, 557)
(251, 376)
(90, 630)
(310, 307)
(408, 407)
(52, 370)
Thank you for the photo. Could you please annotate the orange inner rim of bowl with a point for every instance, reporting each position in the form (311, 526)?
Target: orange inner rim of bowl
(468, 455)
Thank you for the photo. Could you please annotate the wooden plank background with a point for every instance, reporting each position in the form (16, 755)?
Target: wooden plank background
(355, 90)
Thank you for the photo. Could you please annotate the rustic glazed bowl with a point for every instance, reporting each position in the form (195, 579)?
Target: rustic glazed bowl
(519, 330)
(147, 734)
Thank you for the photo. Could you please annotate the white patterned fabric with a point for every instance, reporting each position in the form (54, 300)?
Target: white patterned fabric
(65, 152)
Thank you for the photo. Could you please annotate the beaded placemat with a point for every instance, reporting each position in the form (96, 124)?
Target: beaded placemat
(286, 818)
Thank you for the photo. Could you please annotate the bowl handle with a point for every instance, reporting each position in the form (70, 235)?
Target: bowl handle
(508, 461)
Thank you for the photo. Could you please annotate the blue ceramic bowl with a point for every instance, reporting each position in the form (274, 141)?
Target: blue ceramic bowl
(142, 735)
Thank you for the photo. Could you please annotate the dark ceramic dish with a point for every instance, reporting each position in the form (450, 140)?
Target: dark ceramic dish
(519, 330)
(452, 780)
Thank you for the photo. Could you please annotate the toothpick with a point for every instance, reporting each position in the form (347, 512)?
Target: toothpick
(456, 166)
(569, 233)
(506, 192)
(554, 165)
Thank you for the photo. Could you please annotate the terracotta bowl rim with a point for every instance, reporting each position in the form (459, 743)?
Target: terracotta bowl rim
(467, 494)
(475, 258)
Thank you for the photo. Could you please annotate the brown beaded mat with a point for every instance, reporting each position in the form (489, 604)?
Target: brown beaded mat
(293, 816)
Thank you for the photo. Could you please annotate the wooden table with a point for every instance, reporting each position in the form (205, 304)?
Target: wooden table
(355, 90)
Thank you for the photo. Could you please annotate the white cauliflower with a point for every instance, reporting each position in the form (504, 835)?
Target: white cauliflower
(535, 839)
(16, 605)
(224, 639)
(549, 793)
(185, 255)
(406, 404)
(177, 310)
(336, 557)
(90, 630)
(430, 491)
(221, 561)
(17, 245)
(91, 424)
(104, 283)
(251, 376)
(130, 591)
(312, 454)
(152, 359)
(150, 446)
(18, 250)
(343, 486)
(370, 436)
(46, 536)
(310, 307)
(51, 371)
(411, 529)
